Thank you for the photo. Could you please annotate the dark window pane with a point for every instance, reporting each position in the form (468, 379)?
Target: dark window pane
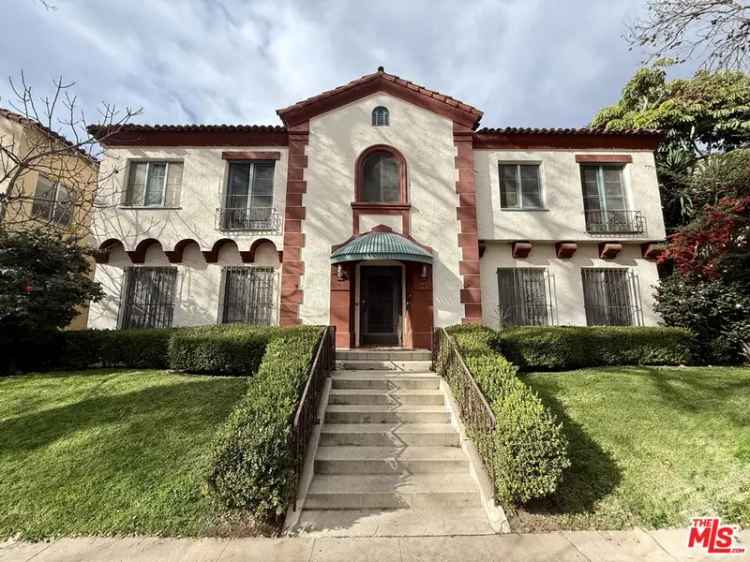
(63, 210)
(523, 297)
(136, 184)
(382, 178)
(248, 295)
(380, 117)
(239, 185)
(530, 189)
(148, 300)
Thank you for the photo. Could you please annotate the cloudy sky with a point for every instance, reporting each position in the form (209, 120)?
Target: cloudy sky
(544, 63)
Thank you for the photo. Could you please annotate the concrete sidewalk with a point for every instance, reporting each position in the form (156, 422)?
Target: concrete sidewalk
(611, 546)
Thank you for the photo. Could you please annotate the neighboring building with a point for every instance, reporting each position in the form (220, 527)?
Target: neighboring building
(57, 188)
(380, 209)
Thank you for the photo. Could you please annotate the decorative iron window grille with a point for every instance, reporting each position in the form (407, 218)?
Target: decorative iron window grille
(611, 297)
(148, 297)
(615, 222)
(527, 297)
(252, 218)
(248, 295)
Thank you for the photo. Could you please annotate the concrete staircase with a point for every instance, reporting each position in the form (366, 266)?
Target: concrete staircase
(389, 452)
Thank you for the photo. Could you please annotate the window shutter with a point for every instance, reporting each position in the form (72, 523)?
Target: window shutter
(174, 184)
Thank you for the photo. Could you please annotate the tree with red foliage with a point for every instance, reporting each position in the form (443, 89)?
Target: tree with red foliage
(716, 244)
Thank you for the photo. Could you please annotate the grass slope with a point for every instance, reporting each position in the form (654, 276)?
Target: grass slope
(649, 446)
(109, 452)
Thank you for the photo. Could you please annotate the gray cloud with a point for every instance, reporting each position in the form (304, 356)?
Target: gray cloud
(523, 62)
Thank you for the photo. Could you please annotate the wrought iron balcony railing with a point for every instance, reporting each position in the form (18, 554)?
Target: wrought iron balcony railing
(615, 222)
(253, 218)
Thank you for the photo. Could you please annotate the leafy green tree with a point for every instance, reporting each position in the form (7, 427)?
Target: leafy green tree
(43, 278)
(703, 117)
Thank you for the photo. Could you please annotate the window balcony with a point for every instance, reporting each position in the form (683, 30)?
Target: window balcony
(615, 222)
(248, 219)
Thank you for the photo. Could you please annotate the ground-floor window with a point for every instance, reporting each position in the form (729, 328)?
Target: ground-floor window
(526, 296)
(611, 297)
(148, 297)
(248, 295)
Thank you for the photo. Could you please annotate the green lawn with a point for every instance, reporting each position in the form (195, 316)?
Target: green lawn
(649, 446)
(109, 452)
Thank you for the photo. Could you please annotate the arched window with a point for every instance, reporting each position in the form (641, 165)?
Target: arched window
(380, 117)
(382, 177)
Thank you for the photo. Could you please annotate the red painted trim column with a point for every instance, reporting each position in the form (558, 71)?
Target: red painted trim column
(293, 267)
(466, 212)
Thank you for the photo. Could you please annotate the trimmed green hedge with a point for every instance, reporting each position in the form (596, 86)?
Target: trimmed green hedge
(234, 349)
(251, 459)
(139, 349)
(559, 348)
(528, 447)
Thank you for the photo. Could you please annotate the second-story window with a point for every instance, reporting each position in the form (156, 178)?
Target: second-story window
(154, 183)
(605, 202)
(53, 202)
(380, 117)
(249, 196)
(520, 186)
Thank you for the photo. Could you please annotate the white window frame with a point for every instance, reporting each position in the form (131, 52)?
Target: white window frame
(142, 203)
(518, 164)
(54, 201)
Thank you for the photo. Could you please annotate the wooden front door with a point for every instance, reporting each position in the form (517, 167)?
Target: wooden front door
(380, 305)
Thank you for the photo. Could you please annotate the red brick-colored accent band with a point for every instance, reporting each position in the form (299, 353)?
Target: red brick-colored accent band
(565, 249)
(604, 158)
(250, 155)
(609, 250)
(466, 213)
(293, 267)
(522, 249)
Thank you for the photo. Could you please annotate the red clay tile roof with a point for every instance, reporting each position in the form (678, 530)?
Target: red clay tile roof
(386, 79)
(27, 122)
(566, 131)
(99, 130)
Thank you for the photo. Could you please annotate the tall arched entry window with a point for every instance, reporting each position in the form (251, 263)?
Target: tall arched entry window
(381, 176)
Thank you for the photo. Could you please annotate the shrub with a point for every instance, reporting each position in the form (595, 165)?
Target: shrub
(139, 349)
(251, 459)
(231, 349)
(572, 347)
(717, 311)
(527, 449)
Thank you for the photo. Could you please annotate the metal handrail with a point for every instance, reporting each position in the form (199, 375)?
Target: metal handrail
(306, 415)
(473, 407)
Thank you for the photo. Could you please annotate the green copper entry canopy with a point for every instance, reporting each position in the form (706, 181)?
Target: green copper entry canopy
(381, 244)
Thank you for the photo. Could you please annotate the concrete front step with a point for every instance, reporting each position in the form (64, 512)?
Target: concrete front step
(392, 491)
(352, 380)
(384, 355)
(375, 365)
(386, 414)
(386, 435)
(390, 460)
(393, 397)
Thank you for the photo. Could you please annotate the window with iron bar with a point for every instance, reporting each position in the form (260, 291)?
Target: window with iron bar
(248, 295)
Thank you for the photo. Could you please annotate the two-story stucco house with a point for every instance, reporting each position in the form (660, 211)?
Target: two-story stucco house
(378, 207)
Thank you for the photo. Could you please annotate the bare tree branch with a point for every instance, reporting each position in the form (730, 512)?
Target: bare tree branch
(717, 32)
(51, 141)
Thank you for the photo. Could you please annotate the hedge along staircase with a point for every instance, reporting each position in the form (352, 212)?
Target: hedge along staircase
(389, 459)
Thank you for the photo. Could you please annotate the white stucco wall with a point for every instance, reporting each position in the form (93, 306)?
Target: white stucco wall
(563, 217)
(567, 279)
(198, 290)
(203, 181)
(426, 142)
